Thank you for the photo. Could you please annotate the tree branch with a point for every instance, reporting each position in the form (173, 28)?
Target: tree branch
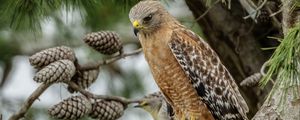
(35, 95)
(27, 104)
(96, 65)
(252, 9)
(88, 94)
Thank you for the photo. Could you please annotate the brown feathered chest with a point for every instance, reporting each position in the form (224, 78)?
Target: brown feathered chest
(189, 73)
(171, 78)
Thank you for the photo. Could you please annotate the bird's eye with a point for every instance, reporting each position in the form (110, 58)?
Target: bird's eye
(148, 18)
(146, 104)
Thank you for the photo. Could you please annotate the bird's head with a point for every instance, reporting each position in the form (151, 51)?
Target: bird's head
(146, 16)
(150, 104)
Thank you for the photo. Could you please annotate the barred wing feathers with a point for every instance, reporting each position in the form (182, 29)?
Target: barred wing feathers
(209, 77)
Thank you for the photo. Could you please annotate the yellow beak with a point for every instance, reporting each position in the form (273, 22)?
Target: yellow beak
(140, 104)
(136, 24)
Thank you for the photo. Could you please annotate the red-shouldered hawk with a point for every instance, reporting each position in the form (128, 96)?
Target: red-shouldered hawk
(189, 73)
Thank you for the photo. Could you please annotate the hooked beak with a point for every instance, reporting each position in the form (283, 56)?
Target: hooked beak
(137, 106)
(135, 31)
(136, 26)
(140, 104)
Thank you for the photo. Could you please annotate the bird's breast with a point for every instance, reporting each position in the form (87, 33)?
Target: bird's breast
(157, 53)
(171, 78)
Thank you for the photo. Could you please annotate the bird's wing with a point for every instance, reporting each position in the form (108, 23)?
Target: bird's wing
(167, 110)
(170, 111)
(209, 77)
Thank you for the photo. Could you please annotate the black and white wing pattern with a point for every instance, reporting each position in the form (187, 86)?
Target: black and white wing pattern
(209, 77)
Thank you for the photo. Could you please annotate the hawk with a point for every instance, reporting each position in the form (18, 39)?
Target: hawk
(186, 69)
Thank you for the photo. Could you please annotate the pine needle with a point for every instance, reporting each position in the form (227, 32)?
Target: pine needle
(269, 48)
(29, 14)
(284, 63)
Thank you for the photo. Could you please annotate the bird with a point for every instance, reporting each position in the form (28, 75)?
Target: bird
(186, 69)
(156, 105)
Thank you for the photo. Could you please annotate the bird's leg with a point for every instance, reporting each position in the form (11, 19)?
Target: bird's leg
(182, 117)
(192, 117)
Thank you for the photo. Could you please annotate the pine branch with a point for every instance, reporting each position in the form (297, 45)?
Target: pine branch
(42, 88)
(95, 65)
(88, 94)
(58, 55)
(29, 101)
(29, 14)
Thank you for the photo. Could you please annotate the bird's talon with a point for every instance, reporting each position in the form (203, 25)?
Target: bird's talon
(192, 118)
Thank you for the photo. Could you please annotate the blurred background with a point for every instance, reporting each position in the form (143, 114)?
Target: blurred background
(66, 24)
(244, 38)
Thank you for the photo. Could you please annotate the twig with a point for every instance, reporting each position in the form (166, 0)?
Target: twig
(276, 22)
(27, 104)
(95, 65)
(88, 94)
(263, 69)
(275, 13)
(205, 12)
(255, 11)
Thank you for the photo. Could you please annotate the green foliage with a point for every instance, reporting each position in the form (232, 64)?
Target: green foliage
(126, 3)
(28, 14)
(285, 63)
(8, 50)
(104, 16)
(297, 3)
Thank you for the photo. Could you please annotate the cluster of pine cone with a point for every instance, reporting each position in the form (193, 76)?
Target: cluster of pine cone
(59, 64)
(76, 107)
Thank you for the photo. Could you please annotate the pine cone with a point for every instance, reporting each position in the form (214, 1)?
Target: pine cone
(72, 108)
(47, 56)
(106, 110)
(252, 80)
(84, 79)
(62, 70)
(264, 17)
(105, 42)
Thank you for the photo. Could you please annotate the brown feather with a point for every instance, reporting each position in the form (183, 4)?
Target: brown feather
(188, 72)
(208, 75)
